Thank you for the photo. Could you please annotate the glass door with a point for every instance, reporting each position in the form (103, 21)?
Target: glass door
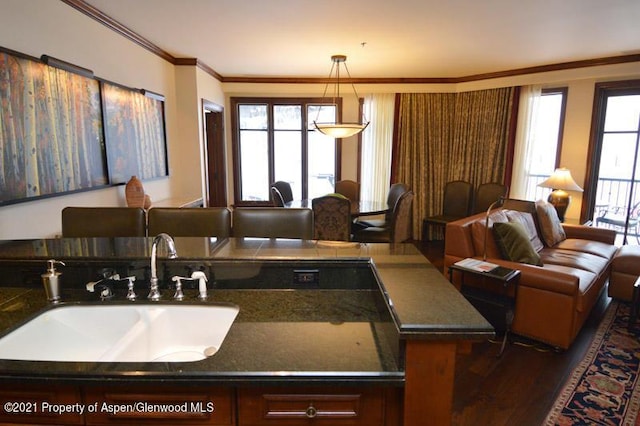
(616, 187)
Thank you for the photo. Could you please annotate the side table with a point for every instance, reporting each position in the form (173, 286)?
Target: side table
(501, 300)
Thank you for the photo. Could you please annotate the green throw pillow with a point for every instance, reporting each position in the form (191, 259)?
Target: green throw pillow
(514, 244)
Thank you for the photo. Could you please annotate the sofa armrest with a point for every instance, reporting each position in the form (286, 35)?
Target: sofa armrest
(593, 233)
(533, 276)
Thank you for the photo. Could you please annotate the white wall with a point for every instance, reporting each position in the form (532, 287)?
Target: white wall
(37, 27)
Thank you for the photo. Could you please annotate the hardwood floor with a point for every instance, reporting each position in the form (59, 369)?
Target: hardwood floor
(519, 387)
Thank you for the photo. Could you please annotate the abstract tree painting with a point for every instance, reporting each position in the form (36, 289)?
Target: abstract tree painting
(135, 134)
(51, 138)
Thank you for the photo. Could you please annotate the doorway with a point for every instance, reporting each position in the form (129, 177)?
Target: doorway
(215, 154)
(614, 181)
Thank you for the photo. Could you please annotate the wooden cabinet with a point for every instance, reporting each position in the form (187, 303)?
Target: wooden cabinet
(200, 405)
(46, 404)
(169, 405)
(337, 405)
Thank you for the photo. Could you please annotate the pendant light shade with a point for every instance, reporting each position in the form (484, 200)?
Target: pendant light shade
(338, 130)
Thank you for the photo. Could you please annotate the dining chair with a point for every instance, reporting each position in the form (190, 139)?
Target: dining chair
(457, 199)
(103, 222)
(487, 194)
(285, 190)
(272, 222)
(395, 192)
(348, 188)
(398, 229)
(332, 217)
(616, 218)
(190, 222)
(276, 197)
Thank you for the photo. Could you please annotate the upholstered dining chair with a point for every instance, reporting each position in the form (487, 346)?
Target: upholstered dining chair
(487, 194)
(332, 217)
(348, 188)
(190, 222)
(399, 228)
(395, 192)
(285, 190)
(103, 222)
(276, 197)
(273, 222)
(456, 204)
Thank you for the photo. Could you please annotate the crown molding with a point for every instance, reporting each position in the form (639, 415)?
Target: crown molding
(114, 25)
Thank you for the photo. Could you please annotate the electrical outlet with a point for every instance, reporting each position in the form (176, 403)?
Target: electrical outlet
(306, 276)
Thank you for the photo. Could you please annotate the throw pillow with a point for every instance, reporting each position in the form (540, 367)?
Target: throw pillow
(550, 226)
(526, 219)
(478, 231)
(513, 240)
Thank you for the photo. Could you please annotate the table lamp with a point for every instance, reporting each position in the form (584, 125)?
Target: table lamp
(561, 182)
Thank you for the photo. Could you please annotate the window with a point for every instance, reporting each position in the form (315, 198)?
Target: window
(273, 139)
(613, 185)
(545, 140)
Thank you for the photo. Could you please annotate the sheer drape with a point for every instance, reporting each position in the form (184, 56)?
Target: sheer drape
(527, 115)
(377, 138)
(451, 136)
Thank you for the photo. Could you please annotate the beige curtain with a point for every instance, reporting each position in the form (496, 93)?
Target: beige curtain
(527, 116)
(377, 140)
(450, 136)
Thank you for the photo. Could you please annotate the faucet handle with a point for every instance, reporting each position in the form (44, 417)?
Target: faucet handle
(131, 294)
(179, 295)
(202, 284)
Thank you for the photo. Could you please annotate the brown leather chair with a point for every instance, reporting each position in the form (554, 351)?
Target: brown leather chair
(348, 188)
(332, 218)
(399, 228)
(190, 222)
(273, 222)
(103, 222)
(458, 196)
(395, 192)
(487, 194)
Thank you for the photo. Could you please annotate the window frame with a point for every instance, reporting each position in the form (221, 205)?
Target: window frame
(596, 138)
(271, 102)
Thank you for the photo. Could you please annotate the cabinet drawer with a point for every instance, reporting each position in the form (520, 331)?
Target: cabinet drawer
(304, 406)
(41, 404)
(164, 405)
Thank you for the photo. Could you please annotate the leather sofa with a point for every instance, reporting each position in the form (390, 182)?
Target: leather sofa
(553, 300)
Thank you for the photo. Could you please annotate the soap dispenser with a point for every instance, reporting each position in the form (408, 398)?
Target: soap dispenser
(51, 281)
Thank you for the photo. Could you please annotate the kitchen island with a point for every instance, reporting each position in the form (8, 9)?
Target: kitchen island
(343, 333)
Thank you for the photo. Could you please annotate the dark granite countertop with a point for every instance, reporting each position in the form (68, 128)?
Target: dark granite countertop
(349, 331)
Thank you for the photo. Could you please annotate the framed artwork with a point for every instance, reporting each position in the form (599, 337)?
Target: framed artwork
(134, 133)
(51, 135)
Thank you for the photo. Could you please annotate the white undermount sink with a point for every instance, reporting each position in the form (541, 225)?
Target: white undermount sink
(121, 333)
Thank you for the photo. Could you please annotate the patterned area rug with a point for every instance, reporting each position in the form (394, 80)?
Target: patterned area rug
(602, 389)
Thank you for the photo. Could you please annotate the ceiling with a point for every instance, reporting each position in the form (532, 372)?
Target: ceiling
(382, 39)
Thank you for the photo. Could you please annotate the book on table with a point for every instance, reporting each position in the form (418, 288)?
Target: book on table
(476, 265)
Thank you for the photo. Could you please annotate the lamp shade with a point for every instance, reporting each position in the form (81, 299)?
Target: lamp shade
(561, 179)
(340, 130)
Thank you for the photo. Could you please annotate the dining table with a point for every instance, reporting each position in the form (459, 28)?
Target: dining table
(358, 208)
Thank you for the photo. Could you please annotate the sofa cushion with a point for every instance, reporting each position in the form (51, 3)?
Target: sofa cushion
(574, 259)
(608, 251)
(513, 240)
(526, 219)
(550, 226)
(479, 230)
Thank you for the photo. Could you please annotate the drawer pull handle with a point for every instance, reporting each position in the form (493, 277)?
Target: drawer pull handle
(311, 412)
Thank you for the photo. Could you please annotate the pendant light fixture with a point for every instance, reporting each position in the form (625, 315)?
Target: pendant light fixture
(338, 130)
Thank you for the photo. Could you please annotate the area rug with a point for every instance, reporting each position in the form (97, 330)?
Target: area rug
(602, 390)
